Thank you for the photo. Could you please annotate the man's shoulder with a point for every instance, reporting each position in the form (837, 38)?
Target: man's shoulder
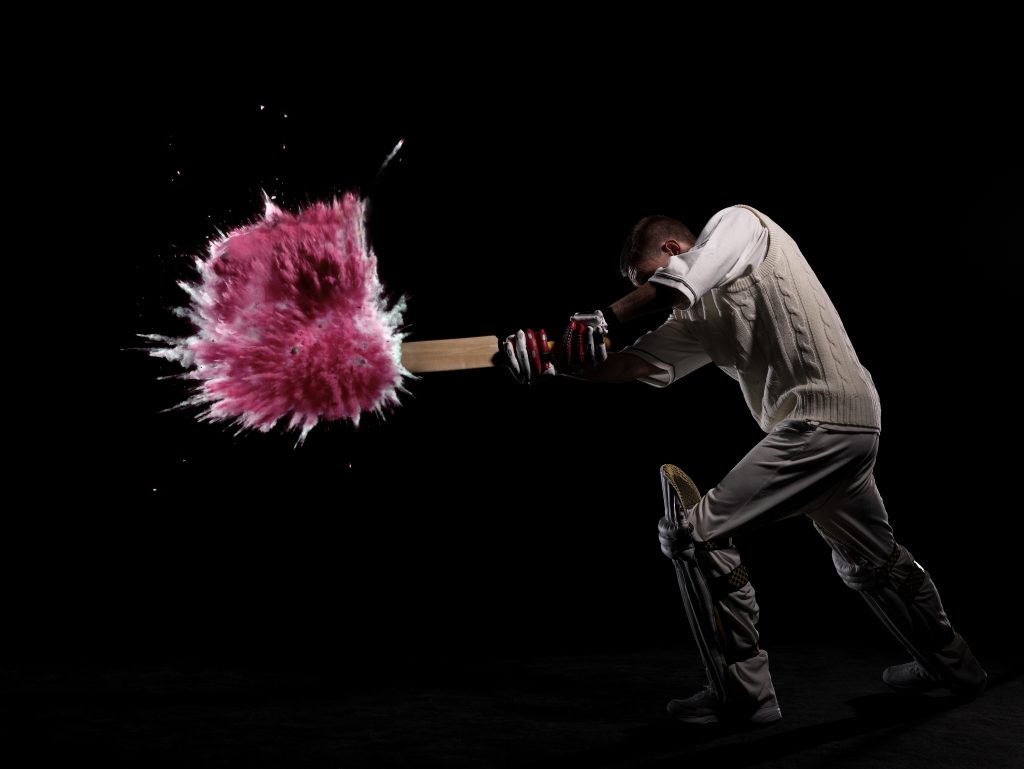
(741, 211)
(735, 214)
(739, 219)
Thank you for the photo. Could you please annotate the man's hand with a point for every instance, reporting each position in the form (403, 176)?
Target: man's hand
(583, 342)
(526, 356)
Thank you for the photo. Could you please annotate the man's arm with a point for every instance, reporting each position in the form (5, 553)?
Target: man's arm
(648, 298)
(625, 367)
(619, 367)
(733, 244)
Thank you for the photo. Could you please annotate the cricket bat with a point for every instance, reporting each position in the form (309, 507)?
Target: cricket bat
(449, 354)
(452, 354)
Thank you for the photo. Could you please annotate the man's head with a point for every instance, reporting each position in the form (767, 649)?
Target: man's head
(650, 244)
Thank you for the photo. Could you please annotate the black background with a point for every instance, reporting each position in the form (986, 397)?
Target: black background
(482, 517)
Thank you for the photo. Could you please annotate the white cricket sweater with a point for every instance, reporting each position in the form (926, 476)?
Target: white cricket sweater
(776, 332)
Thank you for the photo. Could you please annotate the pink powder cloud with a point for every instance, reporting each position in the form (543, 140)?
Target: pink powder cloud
(291, 322)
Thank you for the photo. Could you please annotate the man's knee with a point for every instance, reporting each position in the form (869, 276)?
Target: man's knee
(675, 538)
(855, 573)
(899, 571)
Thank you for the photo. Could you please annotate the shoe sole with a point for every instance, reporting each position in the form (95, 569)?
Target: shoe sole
(913, 688)
(768, 715)
(918, 685)
(709, 719)
(960, 692)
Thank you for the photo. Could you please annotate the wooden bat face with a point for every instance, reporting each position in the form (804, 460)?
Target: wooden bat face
(449, 354)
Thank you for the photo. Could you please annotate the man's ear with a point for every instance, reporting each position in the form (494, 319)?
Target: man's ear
(672, 247)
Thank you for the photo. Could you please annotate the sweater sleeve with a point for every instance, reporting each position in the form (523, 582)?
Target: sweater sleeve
(732, 244)
(671, 347)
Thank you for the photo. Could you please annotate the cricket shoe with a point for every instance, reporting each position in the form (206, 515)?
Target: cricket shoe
(912, 678)
(704, 708)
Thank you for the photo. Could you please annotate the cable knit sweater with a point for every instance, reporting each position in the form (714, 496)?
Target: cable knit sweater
(777, 333)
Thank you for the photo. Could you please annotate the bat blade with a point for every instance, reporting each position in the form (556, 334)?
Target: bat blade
(449, 354)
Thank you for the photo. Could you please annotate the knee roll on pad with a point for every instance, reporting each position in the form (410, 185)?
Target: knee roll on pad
(675, 538)
(900, 572)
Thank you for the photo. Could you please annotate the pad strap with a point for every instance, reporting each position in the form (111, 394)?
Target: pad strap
(710, 545)
(720, 587)
(890, 562)
(910, 586)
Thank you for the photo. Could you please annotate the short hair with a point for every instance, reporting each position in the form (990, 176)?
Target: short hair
(647, 232)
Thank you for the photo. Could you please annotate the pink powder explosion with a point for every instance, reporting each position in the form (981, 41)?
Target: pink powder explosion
(291, 320)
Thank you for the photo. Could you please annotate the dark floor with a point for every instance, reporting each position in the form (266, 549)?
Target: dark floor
(594, 710)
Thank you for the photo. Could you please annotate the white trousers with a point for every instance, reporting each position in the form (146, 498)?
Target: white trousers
(826, 473)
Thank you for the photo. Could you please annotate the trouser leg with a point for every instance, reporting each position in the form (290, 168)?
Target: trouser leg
(827, 474)
(719, 601)
(787, 470)
(746, 674)
(895, 586)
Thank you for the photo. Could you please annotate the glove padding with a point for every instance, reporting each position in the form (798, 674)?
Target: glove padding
(583, 342)
(675, 538)
(526, 356)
